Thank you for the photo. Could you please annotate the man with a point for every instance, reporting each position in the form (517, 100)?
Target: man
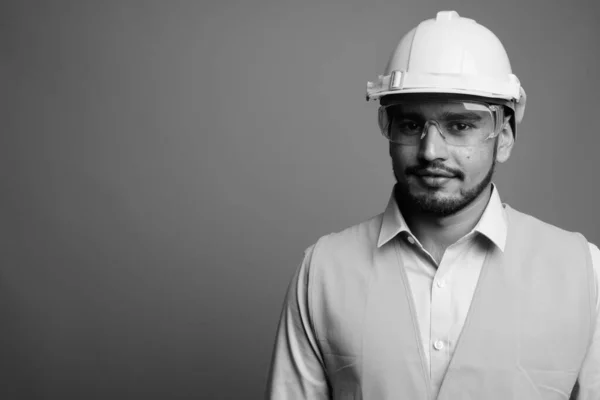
(448, 294)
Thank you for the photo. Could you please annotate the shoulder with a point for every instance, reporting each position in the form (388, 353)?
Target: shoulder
(534, 236)
(558, 246)
(530, 238)
(538, 231)
(346, 249)
(354, 239)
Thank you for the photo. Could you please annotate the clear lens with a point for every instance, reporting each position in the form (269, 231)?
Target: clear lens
(460, 123)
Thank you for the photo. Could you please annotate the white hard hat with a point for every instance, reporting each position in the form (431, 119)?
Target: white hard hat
(451, 54)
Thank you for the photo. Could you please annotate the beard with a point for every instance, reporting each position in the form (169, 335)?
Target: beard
(429, 203)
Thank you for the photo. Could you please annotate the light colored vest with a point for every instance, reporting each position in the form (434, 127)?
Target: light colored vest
(525, 337)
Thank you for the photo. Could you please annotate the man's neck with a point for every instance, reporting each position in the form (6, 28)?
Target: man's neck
(437, 233)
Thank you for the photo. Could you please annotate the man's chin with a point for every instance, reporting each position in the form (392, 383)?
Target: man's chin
(437, 205)
(440, 201)
(431, 192)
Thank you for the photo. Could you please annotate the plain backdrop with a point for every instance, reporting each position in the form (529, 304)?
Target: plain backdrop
(164, 164)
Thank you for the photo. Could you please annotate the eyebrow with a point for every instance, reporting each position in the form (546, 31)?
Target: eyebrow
(471, 116)
(408, 115)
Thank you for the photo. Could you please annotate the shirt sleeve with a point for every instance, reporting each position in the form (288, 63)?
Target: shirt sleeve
(589, 376)
(297, 370)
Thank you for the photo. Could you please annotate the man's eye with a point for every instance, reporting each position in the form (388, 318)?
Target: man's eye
(460, 126)
(409, 126)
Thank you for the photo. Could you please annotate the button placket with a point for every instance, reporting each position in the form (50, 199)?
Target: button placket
(441, 320)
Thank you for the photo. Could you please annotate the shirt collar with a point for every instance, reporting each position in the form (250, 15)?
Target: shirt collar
(393, 222)
(492, 223)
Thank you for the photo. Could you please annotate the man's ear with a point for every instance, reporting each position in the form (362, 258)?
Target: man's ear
(505, 143)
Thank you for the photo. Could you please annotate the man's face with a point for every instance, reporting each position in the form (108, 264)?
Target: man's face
(439, 178)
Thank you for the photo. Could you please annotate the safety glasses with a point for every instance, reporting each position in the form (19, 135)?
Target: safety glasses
(460, 123)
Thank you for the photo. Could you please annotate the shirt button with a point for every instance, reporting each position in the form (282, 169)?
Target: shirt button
(438, 345)
(410, 240)
(441, 283)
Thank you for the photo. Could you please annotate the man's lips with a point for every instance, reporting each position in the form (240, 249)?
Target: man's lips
(434, 174)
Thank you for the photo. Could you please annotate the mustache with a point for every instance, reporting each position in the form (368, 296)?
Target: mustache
(424, 167)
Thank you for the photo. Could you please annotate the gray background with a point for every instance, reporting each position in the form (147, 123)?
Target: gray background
(163, 165)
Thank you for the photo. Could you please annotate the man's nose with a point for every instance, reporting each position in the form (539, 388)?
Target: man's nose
(432, 146)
